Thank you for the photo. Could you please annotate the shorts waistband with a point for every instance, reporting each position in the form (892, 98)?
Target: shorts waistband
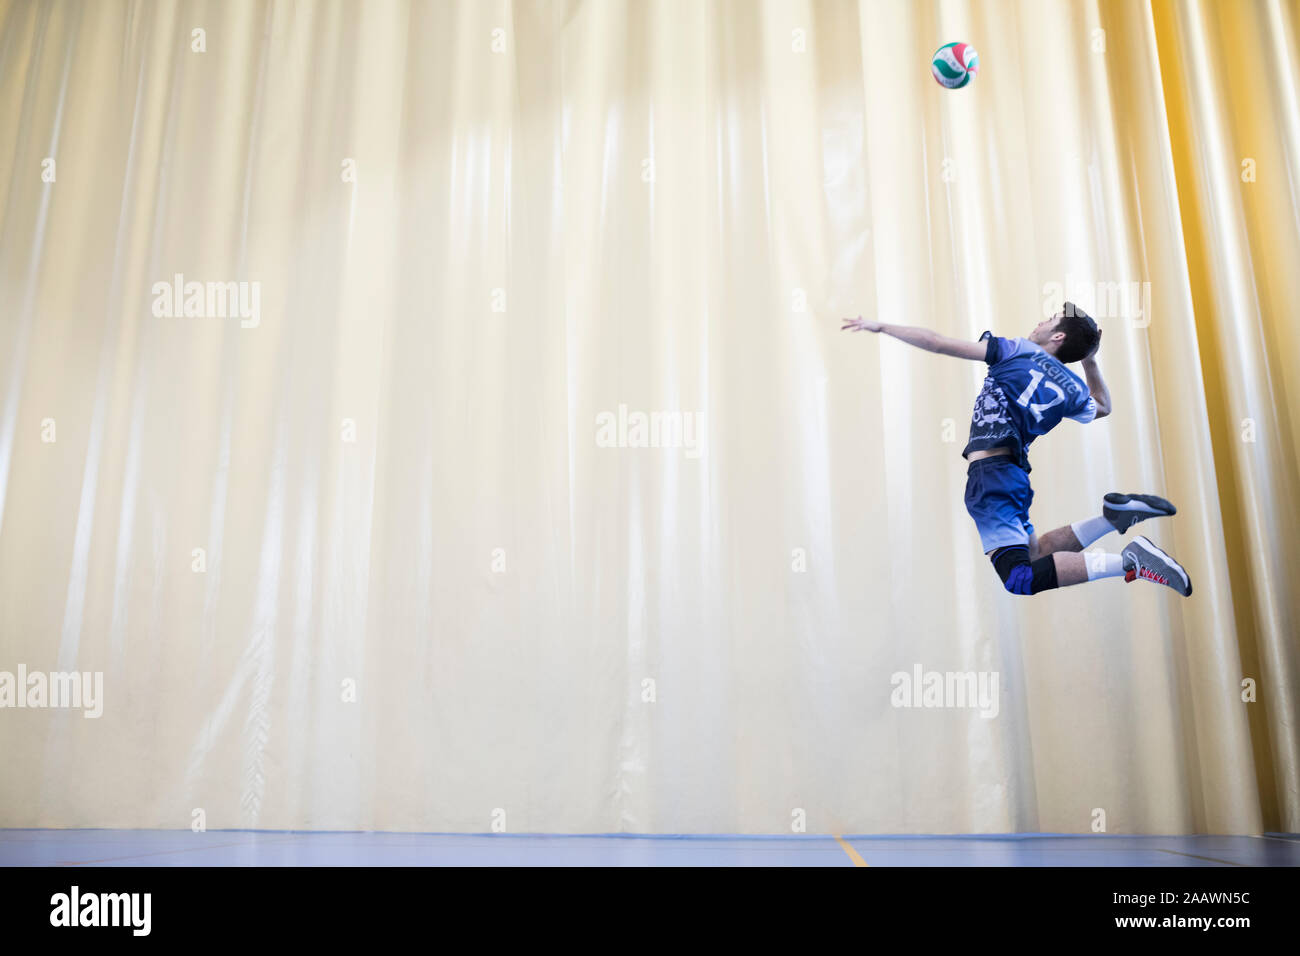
(994, 460)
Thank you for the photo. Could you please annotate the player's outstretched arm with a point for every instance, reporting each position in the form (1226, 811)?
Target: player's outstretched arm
(1096, 384)
(926, 339)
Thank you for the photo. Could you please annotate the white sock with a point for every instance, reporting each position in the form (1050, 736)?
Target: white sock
(1090, 529)
(1102, 565)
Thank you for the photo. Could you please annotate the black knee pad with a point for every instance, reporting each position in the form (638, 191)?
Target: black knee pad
(1020, 575)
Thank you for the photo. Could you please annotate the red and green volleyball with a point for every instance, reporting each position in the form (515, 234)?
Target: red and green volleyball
(955, 64)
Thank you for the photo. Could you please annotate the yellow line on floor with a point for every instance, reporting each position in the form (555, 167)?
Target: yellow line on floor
(854, 855)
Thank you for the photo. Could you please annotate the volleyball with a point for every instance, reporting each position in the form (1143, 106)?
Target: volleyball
(955, 64)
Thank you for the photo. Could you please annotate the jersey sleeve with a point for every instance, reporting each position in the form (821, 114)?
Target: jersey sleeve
(998, 349)
(1085, 411)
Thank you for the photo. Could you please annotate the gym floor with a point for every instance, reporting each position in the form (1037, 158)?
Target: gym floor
(298, 848)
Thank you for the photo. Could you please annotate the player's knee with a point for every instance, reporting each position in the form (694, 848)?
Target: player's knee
(1013, 567)
(1020, 575)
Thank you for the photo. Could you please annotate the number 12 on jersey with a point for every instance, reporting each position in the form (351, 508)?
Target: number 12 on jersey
(1037, 408)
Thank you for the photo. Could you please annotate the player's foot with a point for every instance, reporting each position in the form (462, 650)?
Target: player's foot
(1124, 511)
(1142, 559)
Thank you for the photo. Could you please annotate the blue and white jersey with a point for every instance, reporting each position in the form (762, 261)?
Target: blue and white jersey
(1026, 394)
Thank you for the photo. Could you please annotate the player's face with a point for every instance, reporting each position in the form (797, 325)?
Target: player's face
(1042, 333)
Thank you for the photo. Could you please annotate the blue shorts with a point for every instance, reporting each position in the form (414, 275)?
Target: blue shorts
(998, 498)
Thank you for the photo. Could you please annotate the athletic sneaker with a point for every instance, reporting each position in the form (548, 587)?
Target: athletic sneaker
(1142, 559)
(1124, 511)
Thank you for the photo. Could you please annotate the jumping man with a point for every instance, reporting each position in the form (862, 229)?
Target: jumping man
(1027, 392)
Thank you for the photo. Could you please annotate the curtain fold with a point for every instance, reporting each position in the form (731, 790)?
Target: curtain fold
(1234, 152)
(434, 415)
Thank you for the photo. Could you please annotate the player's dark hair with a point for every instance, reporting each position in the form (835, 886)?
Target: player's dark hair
(1081, 334)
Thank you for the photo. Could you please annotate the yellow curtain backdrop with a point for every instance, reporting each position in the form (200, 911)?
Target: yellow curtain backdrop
(363, 535)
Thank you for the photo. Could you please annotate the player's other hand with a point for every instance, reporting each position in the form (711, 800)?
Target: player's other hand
(1092, 356)
(860, 325)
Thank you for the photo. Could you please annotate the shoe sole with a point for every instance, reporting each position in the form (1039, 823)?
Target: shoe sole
(1146, 544)
(1152, 503)
(1124, 511)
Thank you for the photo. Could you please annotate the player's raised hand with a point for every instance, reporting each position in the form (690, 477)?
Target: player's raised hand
(860, 325)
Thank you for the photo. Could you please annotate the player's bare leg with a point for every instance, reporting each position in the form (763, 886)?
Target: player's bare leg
(1058, 539)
